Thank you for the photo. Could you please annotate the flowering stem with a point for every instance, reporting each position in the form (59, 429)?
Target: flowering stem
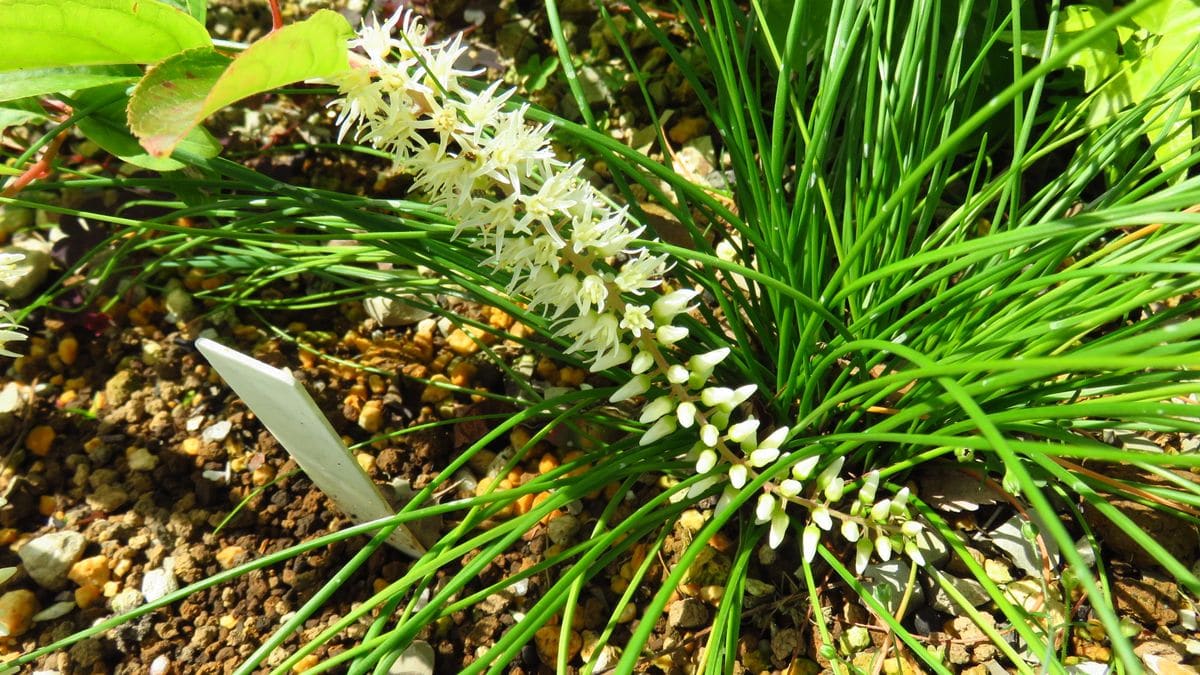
(276, 15)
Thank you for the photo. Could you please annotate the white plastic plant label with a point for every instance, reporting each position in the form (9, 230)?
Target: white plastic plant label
(290, 414)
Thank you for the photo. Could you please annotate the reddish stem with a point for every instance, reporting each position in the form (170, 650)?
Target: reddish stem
(38, 169)
(276, 16)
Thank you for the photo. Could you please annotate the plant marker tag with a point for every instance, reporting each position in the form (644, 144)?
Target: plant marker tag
(290, 414)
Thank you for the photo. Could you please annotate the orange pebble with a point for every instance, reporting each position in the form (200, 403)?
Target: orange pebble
(39, 439)
(68, 349)
(547, 463)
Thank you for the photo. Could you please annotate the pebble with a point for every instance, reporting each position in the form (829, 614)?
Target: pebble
(434, 393)
(370, 419)
(86, 596)
(692, 520)
(712, 594)
(191, 446)
(126, 600)
(997, 571)
(119, 388)
(16, 612)
(418, 659)
(546, 642)
(179, 305)
(390, 311)
(628, 613)
(39, 439)
(562, 529)
(231, 556)
(160, 665)
(159, 582)
(687, 613)
(858, 638)
(92, 571)
(461, 343)
(140, 459)
(49, 557)
(217, 432)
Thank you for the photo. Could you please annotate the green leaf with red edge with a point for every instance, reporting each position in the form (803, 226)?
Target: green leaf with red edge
(178, 93)
(48, 34)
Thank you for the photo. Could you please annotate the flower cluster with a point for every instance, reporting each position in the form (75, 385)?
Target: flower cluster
(577, 259)
(9, 330)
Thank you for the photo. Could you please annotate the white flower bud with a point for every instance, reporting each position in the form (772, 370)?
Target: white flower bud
(738, 475)
(883, 547)
(802, 470)
(790, 488)
(821, 517)
(763, 456)
(742, 394)
(809, 540)
(913, 551)
(719, 419)
(835, 489)
(743, 430)
(866, 493)
(911, 528)
(779, 524)
(764, 508)
(881, 510)
(862, 555)
(704, 363)
(830, 472)
(850, 531)
(662, 427)
(715, 396)
(634, 387)
(775, 439)
(709, 435)
(666, 307)
(686, 413)
(706, 462)
(668, 335)
(901, 498)
(660, 406)
(677, 374)
(641, 363)
(615, 357)
(701, 486)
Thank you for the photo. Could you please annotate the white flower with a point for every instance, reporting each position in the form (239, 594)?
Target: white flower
(862, 555)
(592, 293)
(763, 456)
(706, 461)
(850, 530)
(709, 435)
(790, 488)
(822, 518)
(738, 474)
(686, 413)
(883, 547)
(666, 307)
(809, 538)
(662, 427)
(663, 405)
(744, 430)
(803, 469)
(668, 335)
(641, 363)
(641, 273)
(636, 320)
(764, 508)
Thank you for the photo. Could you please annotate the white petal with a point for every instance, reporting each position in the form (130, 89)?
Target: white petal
(764, 508)
(738, 474)
(821, 517)
(779, 525)
(809, 540)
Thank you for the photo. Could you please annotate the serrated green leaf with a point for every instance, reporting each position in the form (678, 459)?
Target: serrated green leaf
(45, 34)
(106, 126)
(39, 81)
(180, 92)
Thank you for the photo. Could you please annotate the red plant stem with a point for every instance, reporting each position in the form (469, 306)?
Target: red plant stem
(276, 16)
(38, 169)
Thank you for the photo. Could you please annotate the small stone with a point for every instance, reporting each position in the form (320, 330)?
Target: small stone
(628, 613)
(159, 582)
(562, 529)
(785, 645)
(16, 612)
(48, 558)
(231, 556)
(92, 571)
(390, 311)
(687, 128)
(119, 388)
(179, 305)
(217, 432)
(140, 459)
(434, 393)
(191, 446)
(86, 596)
(160, 665)
(687, 613)
(68, 349)
(107, 498)
(39, 439)
(418, 659)
(262, 475)
(546, 642)
(126, 600)
(712, 594)
(461, 343)
(692, 520)
(370, 419)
